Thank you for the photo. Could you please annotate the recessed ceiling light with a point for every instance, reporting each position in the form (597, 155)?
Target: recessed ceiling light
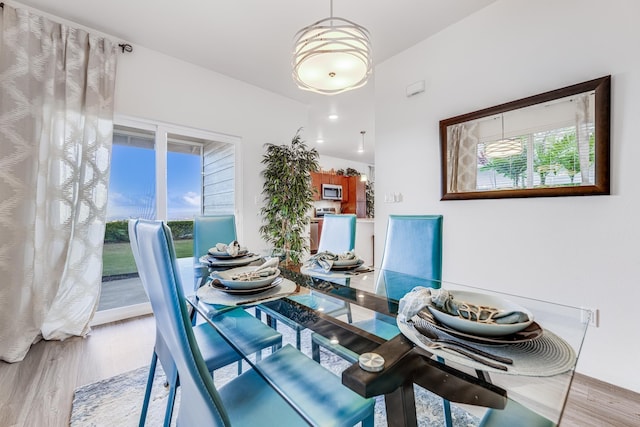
(319, 140)
(333, 117)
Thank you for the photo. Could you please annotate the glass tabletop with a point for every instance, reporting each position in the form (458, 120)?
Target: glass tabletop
(544, 355)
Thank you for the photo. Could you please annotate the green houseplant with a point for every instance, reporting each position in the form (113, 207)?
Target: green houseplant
(288, 196)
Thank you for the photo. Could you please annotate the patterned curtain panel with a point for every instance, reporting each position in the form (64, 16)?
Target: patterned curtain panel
(463, 157)
(56, 124)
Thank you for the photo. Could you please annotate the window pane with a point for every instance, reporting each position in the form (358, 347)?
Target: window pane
(184, 191)
(131, 195)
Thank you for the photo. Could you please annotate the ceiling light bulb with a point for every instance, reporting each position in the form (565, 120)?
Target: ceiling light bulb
(333, 117)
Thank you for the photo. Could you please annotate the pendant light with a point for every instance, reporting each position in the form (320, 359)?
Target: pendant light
(505, 147)
(361, 148)
(331, 56)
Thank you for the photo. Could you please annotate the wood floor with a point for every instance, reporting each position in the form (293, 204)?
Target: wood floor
(38, 391)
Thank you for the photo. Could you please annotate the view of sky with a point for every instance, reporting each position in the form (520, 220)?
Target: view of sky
(132, 184)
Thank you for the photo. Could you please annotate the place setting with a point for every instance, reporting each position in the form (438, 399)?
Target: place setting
(481, 331)
(328, 264)
(246, 285)
(229, 255)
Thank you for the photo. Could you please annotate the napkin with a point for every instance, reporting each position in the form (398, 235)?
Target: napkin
(253, 275)
(420, 297)
(232, 248)
(323, 261)
(270, 263)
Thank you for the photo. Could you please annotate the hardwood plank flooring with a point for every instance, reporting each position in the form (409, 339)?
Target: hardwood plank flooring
(39, 390)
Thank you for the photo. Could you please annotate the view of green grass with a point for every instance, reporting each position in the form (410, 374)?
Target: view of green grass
(118, 259)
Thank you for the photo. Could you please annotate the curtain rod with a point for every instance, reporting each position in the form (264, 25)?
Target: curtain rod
(126, 47)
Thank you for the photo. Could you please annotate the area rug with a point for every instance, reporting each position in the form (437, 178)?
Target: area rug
(117, 401)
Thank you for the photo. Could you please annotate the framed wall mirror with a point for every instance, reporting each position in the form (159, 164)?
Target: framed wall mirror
(552, 144)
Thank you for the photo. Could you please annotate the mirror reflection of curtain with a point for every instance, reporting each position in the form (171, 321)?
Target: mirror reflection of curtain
(582, 135)
(463, 157)
(56, 124)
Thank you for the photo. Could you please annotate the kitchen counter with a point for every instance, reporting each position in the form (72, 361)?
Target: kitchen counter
(365, 220)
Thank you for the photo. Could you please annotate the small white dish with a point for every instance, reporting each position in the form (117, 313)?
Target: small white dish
(479, 328)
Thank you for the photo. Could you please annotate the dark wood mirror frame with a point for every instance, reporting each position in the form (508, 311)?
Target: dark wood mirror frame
(601, 186)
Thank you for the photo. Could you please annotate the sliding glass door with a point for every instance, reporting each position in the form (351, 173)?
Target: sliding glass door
(158, 174)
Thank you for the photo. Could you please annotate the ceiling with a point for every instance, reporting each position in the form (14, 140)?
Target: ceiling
(251, 40)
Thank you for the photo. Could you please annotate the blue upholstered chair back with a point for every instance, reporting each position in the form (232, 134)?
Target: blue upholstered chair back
(200, 402)
(338, 233)
(160, 347)
(412, 254)
(211, 229)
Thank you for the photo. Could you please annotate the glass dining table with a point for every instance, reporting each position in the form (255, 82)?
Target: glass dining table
(535, 365)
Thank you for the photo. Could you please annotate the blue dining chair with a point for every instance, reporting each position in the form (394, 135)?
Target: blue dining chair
(208, 230)
(312, 395)
(412, 257)
(338, 236)
(412, 251)
(215, 350)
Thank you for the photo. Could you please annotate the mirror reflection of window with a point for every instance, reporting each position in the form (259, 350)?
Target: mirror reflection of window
(548, 144)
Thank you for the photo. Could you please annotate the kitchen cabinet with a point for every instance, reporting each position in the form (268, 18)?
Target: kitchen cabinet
(316, 185)
(354, 197)
(356, 203)
(319, 178)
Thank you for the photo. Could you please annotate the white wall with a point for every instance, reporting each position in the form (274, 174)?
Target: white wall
(327, 163)
(151, 85)
(580, 251)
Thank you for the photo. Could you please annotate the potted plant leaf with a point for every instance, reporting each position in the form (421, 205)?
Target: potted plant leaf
(288, 196)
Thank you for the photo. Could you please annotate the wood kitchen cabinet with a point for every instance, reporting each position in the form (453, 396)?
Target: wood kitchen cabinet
(354, 197)
(316, 185)
(356, 202)
(319, 178)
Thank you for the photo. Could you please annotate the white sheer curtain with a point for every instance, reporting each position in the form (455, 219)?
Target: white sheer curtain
(56, 111)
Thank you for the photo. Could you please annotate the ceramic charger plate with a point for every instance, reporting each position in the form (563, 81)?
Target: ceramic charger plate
(227, 278)
(480, 328)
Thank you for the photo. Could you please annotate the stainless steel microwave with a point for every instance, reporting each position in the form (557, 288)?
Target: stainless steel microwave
(331, 192)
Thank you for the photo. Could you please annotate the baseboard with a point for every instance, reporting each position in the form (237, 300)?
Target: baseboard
(120, 313)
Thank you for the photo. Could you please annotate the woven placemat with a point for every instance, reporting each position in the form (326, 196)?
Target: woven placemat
(545, 356)
(210, 295)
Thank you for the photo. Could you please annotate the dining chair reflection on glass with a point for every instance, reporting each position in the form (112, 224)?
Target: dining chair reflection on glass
(338, 236)
(307, 392)
(216, 352)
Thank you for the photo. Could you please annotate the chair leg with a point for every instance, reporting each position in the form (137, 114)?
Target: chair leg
(147, 392)
(446, 406)
(315, 351)
(171, 398)
(368, 422)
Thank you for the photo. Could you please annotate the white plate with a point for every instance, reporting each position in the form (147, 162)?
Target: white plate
(347, 262)
(341, 267)
(226, 278)
(478, 328)
(225, 255)
(233, 262)
(228, 290)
